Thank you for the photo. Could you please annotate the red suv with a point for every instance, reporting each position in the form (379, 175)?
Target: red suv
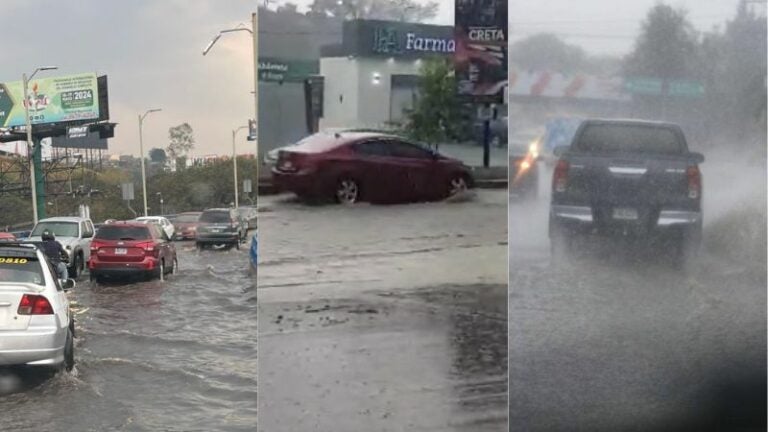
(127, 249)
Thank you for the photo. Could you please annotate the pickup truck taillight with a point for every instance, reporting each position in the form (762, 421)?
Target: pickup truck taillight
(694, 182)
(560, 178)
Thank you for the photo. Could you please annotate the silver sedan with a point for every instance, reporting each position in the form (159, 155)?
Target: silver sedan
(36, 324)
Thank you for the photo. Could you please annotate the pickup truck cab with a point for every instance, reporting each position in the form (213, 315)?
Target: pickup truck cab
(74, 234)
(627, 178)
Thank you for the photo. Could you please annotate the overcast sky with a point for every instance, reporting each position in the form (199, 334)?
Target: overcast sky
(151, 51)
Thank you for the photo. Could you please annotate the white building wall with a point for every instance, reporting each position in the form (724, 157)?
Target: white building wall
(353, 97)
(340, 96)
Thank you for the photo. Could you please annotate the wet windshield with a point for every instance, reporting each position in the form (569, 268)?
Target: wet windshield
(187, 218)
(60, 229)
(122, 233)
(629, 139)
(23, 270)
(215, 217)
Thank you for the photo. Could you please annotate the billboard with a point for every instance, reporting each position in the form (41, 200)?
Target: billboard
(80, 137)
(481, 55)
(50, 100)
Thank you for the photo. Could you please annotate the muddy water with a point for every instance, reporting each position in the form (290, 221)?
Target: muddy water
(178, 355)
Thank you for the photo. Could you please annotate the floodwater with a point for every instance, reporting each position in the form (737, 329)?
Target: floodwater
(383, 318)
(619, 340)
(178, 355)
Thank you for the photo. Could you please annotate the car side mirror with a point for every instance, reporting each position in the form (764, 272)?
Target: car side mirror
(68, 284)
(696, 157)
(560, 150)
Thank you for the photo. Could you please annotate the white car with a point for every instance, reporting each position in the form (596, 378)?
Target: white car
(74, 234)
(164, 223)
(36, 325)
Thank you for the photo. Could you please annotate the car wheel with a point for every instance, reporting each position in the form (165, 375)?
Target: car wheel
(687, 247)
(76, 269)
(162, 270)
(347, 191)
(69, 351)
(457, 185)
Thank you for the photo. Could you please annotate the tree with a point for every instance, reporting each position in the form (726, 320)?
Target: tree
(397, 10)
(182, 140)
(549, 52)
(666, 48)
(157, 155)
(438, 114)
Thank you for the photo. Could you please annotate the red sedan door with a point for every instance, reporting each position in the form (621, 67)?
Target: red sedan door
(421, 169)
(384, 178)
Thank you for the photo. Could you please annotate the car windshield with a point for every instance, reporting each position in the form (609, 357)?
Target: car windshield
(186, 218)
(113, 232)
(627, 138)
(23, 270)
(215, 217)
(60, 229)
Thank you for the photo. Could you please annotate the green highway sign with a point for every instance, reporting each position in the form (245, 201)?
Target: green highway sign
(686, 88)
(281, 70)
(655, 86)
(650, 86)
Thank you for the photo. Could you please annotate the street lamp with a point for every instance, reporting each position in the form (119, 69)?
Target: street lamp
(240, 27)
(234, 159)
(141, 156)
(25, 84)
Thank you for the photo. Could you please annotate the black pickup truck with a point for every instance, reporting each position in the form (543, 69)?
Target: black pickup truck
(627, 178)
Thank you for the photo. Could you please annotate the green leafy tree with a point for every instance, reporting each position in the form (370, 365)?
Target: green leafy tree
(182, 140)
(438, 114)
(666, 48)
(157, 155)
(397, 10)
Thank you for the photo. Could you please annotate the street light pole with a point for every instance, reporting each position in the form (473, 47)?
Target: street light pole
(141, 156)
(234, 161)
(31, 150)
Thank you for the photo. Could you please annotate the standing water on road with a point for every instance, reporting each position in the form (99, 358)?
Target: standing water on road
(178, 355)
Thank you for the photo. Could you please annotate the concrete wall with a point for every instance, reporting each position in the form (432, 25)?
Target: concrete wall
(281, 115)
(353, 99)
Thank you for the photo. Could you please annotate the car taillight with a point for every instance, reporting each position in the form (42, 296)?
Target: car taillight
(95, 247)
(32, 304)
(149, 249)
(560, 178)
(694, 182)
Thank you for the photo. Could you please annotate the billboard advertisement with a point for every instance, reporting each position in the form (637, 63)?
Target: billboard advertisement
(50, 100)
(80, 137)
(481, 55)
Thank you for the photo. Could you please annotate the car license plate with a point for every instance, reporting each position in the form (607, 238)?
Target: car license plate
(215, 229)
(625, 213)
(121, 251)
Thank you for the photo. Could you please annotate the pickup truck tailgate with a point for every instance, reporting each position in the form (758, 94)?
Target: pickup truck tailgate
(637, 186)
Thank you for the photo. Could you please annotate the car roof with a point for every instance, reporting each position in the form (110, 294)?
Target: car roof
(125, 224)
(630, 121)
(150, 217)
(21, 250)
(63, 219)
(324, 141)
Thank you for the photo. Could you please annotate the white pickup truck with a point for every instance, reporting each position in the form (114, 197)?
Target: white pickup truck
(74, 234)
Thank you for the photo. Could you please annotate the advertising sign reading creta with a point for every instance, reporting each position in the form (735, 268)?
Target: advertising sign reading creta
(481, 49)
(50, 100)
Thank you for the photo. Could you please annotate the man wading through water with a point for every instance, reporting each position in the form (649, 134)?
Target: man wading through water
(54, 251)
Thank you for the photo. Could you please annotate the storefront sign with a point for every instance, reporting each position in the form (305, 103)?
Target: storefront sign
(481, 50)
(50, 100)
(388, 40)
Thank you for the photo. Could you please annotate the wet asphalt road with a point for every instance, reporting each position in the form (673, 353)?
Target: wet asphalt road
(383, 318)
(623, 341)
(178, 355)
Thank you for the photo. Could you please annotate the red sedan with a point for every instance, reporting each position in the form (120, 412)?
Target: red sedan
(186, 225)
(355, 166)
(129, 249)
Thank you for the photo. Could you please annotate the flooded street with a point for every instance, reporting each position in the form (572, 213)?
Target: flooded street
(620, 341)
(178, 355)
(383, 318)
